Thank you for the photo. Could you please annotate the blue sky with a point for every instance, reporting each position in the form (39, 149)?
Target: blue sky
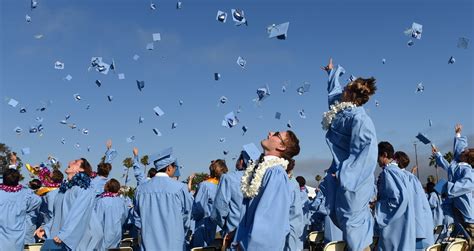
(193, 46)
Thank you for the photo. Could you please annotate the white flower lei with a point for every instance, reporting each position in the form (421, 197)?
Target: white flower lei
(250, 184)
(333, 110)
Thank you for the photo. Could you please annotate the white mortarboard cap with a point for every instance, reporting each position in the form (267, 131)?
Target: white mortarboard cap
(238, 17)
(301, 114)
(77, 96)
(179, 5)
(221, 140)
(463, 43)
(141, 119)
(68, 77)
(63, 141)
(85, 131)
(156, 37)
(263, 92)
(38, 36)
(130, 139)
(383, 60)
(451, 60)
(152, 6)
(121, 76)
(181, 102)
(277, 115)
(34, 4)
(22, 110)
(58, 65)
(25, 151)
(304, 88)
(158, 111)
(136, 57)
(241, 62)
(279, 31)
(420, 87)
(416, 30)
(230, 120)
(18, 130)
(12, 102)
(221, 16)
(156, 132)
(27, 18)
(223, 99)
(150, 46)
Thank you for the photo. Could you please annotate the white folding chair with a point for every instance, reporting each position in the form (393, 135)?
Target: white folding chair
(335, 246)
(457, 245)
(435, 247)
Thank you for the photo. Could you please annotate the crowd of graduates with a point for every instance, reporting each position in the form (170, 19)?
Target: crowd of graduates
(258, 206)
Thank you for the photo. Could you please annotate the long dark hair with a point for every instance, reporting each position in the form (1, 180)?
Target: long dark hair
(292, 149)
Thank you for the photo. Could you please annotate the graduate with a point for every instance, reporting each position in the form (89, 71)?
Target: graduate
(265, 219)
(51, 183)
(15, 203)
(295, 239)
(460, 185)
(103, 169)
(205, 228)
(423, 215)
(434, 200)
(305, 204)
(163, 206)
(394, 212)
(228, 200)
(108, 217)
(331, 231)
(33, 218)
(72, 208)
(353, 144)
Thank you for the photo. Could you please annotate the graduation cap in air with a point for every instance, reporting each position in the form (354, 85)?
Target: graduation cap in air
(279, 31)
(13, 102)
(410, 43)
(98, 83)
(420, 87)
(304, 88)
(150, 46)
(277, 115)
(179, 5)
(181, 102)
(34, 4)
(39, 119)
(156, 132)
(163, 159)
(110, 98)
(68, 77)
(18, 130)
(63, 141)
(156, 37)
(423, 138)
(130, 139)
(221, 16)
(77, 96)
(25, 151)
(85, 131)
(158, 111)
(141, 119)
(289, 125)
(27, 18)
(302, 114)
(451, 60)
(23, 110)
(250, 153)
(238, 17)
(463, 43)
(221, 140)
(152, 6)
(383, 60)
(140, 85)
(217, 76)
(441, 186)
(230, 120)
(223, 100)
(416, 30)
(241, 62)
(262, 93)
(58, 65)
(174, 125)
(244, 129)
(121, 76)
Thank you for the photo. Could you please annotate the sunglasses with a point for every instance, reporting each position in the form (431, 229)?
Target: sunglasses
(279, 136)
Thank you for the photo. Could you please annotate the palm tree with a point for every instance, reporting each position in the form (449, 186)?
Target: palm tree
(449, 156)
(433, 163)
(127, 162)
(144, 161)
(318, 178)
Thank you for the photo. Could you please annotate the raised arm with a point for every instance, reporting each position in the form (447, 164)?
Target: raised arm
(110, 154)
(460, 142)
(138, 171)
(334, 87)
(440, 160)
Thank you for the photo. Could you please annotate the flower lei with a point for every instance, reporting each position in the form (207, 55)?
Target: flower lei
(333, 110)
(11, 189)
(80, 179)
(252, 178)
(44, 176)
(109, 194)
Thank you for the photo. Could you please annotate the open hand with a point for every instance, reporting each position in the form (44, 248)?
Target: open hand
(329, 67)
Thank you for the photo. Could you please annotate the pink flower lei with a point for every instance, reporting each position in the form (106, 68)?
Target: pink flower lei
(109, 194)
(45, 177)
(11, 189)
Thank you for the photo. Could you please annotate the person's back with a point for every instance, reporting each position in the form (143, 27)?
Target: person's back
(163, 204)
(205, 228)
(14, 205)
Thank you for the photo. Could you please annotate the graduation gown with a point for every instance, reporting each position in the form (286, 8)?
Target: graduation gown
(47, 205)
(423, 215)
(205, 228)
(71, 216)
(394, 213)
(353, 144)
(294, 239)
(107, 219)
(98, 183)
(228, 201)
(265, 220)
(164, 207)
(331, 231)
(14, 206)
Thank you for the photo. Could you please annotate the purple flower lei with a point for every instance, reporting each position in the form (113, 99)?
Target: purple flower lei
(11, 189)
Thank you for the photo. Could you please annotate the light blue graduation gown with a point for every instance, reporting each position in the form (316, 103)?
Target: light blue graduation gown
(204, 229)
(436, 210)
(423, 215)
(294, 239)
(353, 145)
(14, 207)
(331, 231)
(164, 206)
(71, 216)
(316, 218)
(98, 183)
(265, 219)
(32, 222)
(228, 201)
(47, 205)
(107, 219)
(138, 171)
(394, 214)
